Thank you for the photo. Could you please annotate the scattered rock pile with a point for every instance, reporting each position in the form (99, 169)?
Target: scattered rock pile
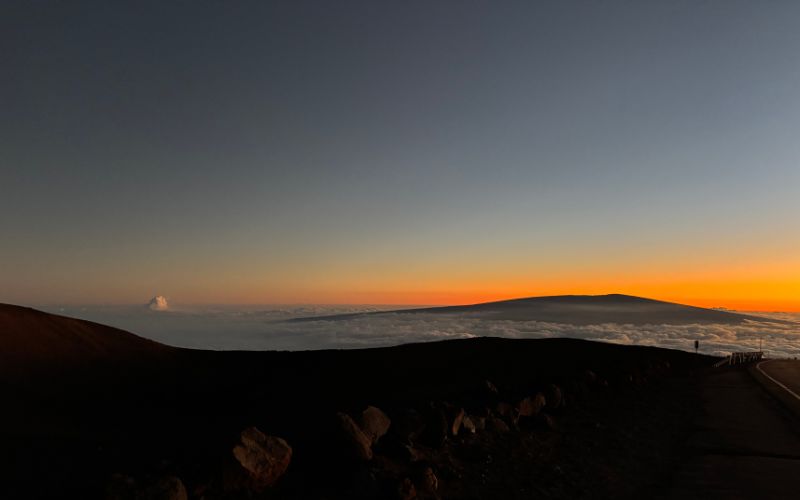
(121, 487)
(405, 453)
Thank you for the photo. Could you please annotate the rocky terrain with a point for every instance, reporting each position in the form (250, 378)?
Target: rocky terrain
(476, 418)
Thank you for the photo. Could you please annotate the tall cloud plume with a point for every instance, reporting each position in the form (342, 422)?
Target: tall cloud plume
(158, 303)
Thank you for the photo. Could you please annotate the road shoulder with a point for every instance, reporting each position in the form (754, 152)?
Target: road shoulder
(745, 445)
(788, 398)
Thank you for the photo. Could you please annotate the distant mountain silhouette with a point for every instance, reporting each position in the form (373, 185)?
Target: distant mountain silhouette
(32, 340)
(579, 310)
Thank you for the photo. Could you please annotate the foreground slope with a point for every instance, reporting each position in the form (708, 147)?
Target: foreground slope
(32, 341)
(179, 413)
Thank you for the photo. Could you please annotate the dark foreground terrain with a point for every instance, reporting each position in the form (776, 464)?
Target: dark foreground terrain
(478, 418)
(745, 443)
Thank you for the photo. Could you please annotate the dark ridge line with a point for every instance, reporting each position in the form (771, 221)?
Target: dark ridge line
(577, 299)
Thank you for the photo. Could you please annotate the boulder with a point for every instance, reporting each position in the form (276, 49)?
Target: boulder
(396, 447)
(429, 483)
(363, 483)
(455, 417)
(359, 444)
(406, 490)
(408, 425)
(546, 422)
(483, 412)
(264, 458)
(504, 409)
(531, 406)
(554, 397)
(497, 425)
(374, 423)
(166, 488)
(468, 425)
(120, 487)
(480, 392)
(409, 454)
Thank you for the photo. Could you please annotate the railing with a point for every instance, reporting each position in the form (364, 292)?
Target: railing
(740, 358)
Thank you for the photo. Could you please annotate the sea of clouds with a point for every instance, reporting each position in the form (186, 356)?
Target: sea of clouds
(230, 328)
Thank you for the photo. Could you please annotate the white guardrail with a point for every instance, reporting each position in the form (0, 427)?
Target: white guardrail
(740, 358)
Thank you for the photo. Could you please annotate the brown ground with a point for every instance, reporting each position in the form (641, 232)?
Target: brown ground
(67, 428)
(33, 341)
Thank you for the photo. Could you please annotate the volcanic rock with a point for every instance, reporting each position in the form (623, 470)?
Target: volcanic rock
(531, 406)
(359, 444)
(408, 425)
(167, 488)
(121, 487)
(406, 490)
(429, 482)
(545, 421)
(504, 409)
(396, 447)
(455, 417)
(555, 398)
(374, 423)
(264, 458)
(496, 424)
(467, 424)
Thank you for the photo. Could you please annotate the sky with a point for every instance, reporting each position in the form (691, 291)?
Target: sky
(399, 152)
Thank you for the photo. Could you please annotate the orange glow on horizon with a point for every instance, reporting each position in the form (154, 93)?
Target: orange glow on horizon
(733, 279)
(734, 296)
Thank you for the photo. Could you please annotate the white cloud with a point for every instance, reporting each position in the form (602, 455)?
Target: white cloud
(778, 338)
(158, 303)
(266, 329)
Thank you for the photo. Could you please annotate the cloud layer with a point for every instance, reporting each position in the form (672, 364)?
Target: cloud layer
(229, 329)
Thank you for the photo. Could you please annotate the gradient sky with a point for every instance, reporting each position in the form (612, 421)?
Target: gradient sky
(399, 152)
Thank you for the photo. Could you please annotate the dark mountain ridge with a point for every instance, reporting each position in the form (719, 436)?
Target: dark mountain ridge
(577, 310)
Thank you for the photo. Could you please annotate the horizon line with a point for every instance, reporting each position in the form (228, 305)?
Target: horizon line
(400, 305)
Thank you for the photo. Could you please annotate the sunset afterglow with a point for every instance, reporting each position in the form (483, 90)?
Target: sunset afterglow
(471, 158)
